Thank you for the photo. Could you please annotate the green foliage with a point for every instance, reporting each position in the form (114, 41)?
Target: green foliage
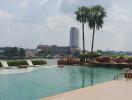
(11, 51)
(13, 63)
(82, 18)
(121, 57)
(17, 62)
(130, 58)
(92, 55)
(44, 53)
(39, 62)
(100, 51)
(14, 52)
(114, 56)
(89, 55)
(22, 52)
(23, 62)
(94, 16)
(81, 14)
(82, 57)
(0, 64)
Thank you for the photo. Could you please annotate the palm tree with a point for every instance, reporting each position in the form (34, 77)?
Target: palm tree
(81, 17)
(95, 19)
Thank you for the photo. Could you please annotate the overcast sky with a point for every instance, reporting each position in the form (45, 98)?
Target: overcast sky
(28, 23)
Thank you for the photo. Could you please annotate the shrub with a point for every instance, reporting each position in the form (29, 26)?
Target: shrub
(13, 63)
(23, 62)
(121, 57)
(39, 62)
(130, 58)
(17, 62)
(92, 55)
(114, 56)
(88, 55)
(82, 57)
(0, 64)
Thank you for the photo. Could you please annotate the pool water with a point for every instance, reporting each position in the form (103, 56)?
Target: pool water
(50, 81)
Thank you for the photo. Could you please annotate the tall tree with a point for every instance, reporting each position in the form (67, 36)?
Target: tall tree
(22, 52)
(81, 17)
(95, 19)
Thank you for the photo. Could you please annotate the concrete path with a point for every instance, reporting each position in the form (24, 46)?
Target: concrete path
(114, 90)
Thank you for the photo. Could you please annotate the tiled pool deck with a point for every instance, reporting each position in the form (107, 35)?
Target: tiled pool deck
(114, 90)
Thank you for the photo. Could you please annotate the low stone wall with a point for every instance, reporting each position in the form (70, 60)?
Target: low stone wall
(108, 64)
(59, 62)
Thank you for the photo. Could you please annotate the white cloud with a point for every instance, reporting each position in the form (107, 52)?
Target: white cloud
(4, 14)
(118, 13)
(116, 32)
(60, 22)
(41, 2)
(24, 3)
(30, 22)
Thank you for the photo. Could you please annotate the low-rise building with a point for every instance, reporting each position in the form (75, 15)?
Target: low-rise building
(58, 50)
(31, 53)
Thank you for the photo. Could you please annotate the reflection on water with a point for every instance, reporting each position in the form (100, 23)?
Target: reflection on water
(87, 74)
(51, 81)
(93, 75)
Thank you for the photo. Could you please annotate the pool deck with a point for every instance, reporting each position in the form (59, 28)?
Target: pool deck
(113, 90)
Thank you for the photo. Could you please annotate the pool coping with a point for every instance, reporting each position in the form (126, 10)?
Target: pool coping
(113, 90)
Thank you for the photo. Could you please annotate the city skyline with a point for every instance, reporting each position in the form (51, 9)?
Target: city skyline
(28, 23)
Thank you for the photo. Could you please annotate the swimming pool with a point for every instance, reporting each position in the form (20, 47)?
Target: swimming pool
(50, 81)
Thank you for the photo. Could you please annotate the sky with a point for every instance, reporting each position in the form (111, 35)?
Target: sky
(28, 23)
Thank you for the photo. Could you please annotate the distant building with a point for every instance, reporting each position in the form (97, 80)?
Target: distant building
(74, 37)
(1, 52)
(31, 53)
(55, 50)
(42, 47)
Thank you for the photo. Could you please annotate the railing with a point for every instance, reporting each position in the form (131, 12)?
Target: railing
(121, 74)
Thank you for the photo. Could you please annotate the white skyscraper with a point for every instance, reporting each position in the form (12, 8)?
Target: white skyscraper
(74, 37)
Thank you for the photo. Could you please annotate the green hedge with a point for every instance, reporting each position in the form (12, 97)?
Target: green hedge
(39, 62)
(130, 58)
(17, 63)
(88, 55)
(23, 62)
(0, 64)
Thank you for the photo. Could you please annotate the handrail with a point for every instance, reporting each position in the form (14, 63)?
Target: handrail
(121, 74)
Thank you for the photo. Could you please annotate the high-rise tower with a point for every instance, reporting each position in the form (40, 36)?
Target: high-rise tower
(74, 37)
